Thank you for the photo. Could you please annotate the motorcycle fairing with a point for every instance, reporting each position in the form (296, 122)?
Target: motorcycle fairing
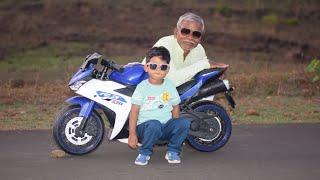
(200, 79)
(82, 73)
(82, 101)
(103, 92)
(86, 68)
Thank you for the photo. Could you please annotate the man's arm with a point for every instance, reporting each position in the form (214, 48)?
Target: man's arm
(218, 65)
(180, 76)
(133, 118)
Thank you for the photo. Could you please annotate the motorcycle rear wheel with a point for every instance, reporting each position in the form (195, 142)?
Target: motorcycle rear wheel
(65, 127)
(226, 127)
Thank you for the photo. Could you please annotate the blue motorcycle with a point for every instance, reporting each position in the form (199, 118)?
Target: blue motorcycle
(104, 93)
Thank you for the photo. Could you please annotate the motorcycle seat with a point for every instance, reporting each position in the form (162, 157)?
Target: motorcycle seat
(186, 86)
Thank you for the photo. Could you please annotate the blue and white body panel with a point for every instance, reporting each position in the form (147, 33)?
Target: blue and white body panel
(102, 92)
(200, 80)
(81, 74)
(86, 68)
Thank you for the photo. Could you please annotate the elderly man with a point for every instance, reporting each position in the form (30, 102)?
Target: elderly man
(188, 57)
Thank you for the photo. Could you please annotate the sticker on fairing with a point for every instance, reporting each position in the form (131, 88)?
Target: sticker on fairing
(115, 99)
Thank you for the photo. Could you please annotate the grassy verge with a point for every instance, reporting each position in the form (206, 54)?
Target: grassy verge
(50, 62)
(26, 116)
(277, 109)
(36, 87)
(36, 106)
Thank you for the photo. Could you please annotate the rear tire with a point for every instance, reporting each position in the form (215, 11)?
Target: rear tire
(226, 127)
(64, 131)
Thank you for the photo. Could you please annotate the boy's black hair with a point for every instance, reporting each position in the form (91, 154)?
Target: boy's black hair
(158, 51)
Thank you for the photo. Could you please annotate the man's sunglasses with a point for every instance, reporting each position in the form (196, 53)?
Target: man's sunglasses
(163, 67)
(195, 34)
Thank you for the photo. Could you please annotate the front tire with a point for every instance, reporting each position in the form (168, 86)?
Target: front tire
(65, 127)
(220, 114)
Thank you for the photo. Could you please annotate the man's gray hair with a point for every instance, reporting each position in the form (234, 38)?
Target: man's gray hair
(189, 16)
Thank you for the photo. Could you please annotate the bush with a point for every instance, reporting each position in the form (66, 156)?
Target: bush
(159, 3)
(224, 10)
(314, 68)
(271, 19)
(290, 21)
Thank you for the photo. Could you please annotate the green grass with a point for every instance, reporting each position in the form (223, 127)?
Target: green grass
(47, 57)
(53, 57)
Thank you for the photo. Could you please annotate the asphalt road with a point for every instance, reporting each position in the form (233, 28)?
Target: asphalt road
(253, 152)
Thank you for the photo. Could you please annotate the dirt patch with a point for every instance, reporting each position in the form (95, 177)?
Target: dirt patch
(302, 52)
(310, 14)
(58, 154)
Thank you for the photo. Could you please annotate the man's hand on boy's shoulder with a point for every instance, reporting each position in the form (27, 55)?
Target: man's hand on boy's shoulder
(133, 141)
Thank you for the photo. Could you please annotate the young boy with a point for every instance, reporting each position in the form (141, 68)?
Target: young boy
(155, 111)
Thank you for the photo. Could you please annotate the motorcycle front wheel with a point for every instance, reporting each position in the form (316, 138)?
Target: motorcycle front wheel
(220, 115)
(65, 136)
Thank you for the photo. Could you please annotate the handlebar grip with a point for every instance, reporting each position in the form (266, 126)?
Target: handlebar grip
(105, 63)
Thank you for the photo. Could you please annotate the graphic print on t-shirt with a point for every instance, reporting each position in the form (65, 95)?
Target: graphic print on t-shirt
(156, 102)
(165, 97)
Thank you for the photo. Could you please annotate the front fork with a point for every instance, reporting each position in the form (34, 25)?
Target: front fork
(86, 110)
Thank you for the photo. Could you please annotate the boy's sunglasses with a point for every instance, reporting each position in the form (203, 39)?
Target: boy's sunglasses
(163, 67)
(195, 34)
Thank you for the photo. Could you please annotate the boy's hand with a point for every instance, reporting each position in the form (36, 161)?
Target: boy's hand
(133, 141)
(133, 117)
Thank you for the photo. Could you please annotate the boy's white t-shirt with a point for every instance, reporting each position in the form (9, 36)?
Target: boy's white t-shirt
(156, 101)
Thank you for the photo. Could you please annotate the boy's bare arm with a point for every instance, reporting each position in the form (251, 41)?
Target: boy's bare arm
(176, 111)
(133, 118)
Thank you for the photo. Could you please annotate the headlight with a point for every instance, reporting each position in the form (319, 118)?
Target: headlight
(75, 86)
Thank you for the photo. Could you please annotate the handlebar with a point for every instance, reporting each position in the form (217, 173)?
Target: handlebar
(111, 65)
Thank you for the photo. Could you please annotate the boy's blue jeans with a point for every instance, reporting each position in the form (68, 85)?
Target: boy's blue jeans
(174, 131)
